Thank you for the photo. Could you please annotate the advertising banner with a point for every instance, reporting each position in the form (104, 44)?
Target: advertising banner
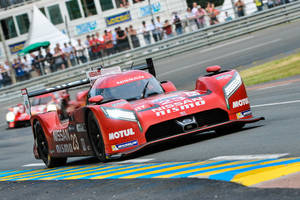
(145, 10)
(86, 27)
(15, 48)
(118, 19)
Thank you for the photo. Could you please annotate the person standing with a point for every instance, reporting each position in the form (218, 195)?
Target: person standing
(133, 35)
(100, 45)
(159, 27)
(80, 52)
(146, 33)
(154, 31)
(177, 23)
(259, 5)
(108, 41)
(115, 42)
(93, 46)
(67, 53)
(194, 11)
(27, 67)
(240, 8)
(200, 16)
(19, 72)
(59, 60)
(87, 45)
(168, 29)
(190, 18)
(212, 13)
(50, 60)
(121, 39)
(5, 72)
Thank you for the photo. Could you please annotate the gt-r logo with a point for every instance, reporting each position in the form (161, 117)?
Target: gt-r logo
(240, 103)
(121, 134)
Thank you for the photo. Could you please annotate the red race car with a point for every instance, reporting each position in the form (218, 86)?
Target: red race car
(17, 117)
(126, 111)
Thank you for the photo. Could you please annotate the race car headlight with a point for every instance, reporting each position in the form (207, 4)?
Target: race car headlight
(116, 113)
(232, 85)
(51, 107)
(10, 117)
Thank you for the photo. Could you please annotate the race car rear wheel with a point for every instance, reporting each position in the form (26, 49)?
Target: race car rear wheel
(95, 137)
(43, 150)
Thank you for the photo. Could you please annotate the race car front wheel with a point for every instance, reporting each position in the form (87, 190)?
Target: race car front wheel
(95, 137)
(43, 150)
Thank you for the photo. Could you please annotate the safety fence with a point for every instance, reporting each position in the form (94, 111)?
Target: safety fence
(169, 47)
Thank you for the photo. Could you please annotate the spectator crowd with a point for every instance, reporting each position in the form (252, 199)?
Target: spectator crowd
(96, 46)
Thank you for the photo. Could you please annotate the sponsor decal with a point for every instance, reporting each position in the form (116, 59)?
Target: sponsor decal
(70, 141)
(61, 135)
(223, 76)
(240, 103)
(86, 27)
(124, 145)
(117, 19)
(179, 104)
(17, 47)
(130, 80)
(121, 134)
(146, 10)
(243, 114)
(64, 148)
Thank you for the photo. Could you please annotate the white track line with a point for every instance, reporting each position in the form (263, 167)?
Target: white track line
(277, 103)
(34, 165)
(250, 157)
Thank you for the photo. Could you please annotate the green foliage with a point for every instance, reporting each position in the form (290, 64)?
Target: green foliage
(203, 3)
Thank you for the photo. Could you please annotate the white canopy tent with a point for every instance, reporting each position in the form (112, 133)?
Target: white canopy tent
(41, 30)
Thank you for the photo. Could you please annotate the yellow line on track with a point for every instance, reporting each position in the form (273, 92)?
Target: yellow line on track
(200, 169)
(265, 174)
(133, 170)
(167, 169)
(238, 167)
(79, 175)
(5, 178)
(57, 172)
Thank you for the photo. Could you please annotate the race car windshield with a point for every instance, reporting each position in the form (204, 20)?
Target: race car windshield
(41, 101)
(129, 91)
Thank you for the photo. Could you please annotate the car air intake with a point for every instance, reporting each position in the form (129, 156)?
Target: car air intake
(172, 127)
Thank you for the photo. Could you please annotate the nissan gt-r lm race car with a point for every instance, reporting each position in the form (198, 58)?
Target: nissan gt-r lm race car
(126, 111)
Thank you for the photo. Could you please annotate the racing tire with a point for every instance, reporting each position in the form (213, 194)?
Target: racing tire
(95, 136)
(43, 150)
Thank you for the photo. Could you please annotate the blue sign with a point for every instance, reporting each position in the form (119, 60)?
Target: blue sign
(145, 11)
(86, 27)
(117, 19)
(17, 47)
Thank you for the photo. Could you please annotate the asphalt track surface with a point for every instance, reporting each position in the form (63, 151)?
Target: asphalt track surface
(278, 134)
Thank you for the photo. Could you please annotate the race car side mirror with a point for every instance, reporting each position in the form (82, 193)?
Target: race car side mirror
(96, 99)
(168, 86)
(213, 69)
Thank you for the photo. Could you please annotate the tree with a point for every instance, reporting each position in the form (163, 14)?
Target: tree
(203, 3)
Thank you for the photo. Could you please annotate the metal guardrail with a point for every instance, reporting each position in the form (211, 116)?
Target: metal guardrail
(172, 46)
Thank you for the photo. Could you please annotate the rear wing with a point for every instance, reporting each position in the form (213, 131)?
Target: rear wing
(148, 66)
(91, 76)
(26, 95)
